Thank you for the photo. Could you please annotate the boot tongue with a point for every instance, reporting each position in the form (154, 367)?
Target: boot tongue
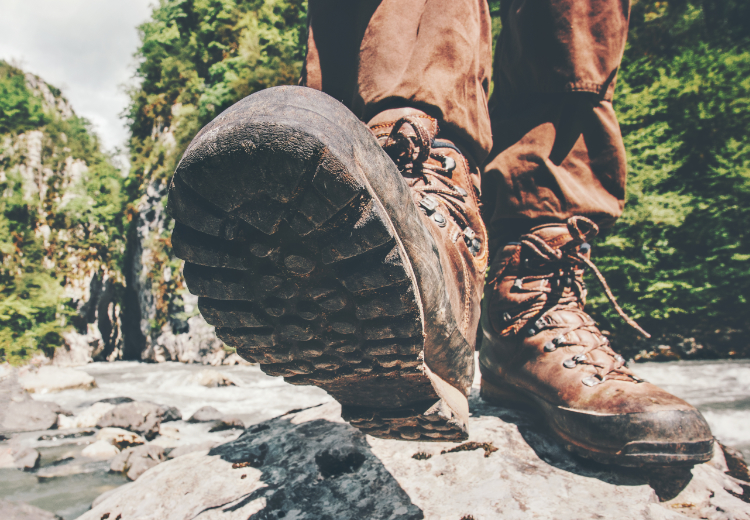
(382, 124)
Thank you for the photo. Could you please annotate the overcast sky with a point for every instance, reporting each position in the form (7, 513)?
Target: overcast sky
(83, 47)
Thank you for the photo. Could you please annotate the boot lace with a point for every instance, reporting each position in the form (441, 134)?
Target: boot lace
(566, 265)
(411, 153)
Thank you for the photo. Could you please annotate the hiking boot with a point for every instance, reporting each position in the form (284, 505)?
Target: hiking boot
(303, 242)
(541, 350)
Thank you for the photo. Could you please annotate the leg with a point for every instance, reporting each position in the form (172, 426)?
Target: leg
(558, 156)
(558, 150)
(431, 55)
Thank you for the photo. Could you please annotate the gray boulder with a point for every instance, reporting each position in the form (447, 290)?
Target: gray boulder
(20, 413)
(26, 458)
(21, 511)
(227, 423)
(30, 415)
(170, 413)
(136, 461)
(312, 465)
(206, 414)
(136, 416)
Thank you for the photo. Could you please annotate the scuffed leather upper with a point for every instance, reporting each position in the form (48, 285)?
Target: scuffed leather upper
(538, 337)
(445, 187)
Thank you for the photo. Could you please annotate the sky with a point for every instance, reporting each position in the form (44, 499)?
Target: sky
(83, 47)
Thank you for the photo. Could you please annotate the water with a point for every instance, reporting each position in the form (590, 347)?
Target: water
(256, 398)
(720, 389)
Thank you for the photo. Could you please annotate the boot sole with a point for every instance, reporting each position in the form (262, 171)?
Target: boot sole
(634, 454)
(298, 264)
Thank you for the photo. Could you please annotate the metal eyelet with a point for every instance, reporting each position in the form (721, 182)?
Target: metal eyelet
(557, 340)
(448, 163)
(428, 204)
(569, 363)
(462, 191)
(585, 248)
(507, 317)
(439, 219)
(550, 347)
(518, 283)
(591, 381)
(578, 358)
(476, 244)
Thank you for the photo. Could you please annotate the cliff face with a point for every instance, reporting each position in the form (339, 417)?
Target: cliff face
(60, 228)
(80, 242)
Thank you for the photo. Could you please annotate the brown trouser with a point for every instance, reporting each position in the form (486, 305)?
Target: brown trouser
(550, 143)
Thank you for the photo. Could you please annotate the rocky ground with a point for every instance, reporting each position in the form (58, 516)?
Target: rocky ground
(310, 464)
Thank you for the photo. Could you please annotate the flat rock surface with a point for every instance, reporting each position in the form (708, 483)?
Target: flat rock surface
(20, 511)
(55, 379)
(19, 412)
(140, 417)
(312, 465)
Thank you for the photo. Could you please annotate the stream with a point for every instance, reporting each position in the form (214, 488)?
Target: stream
(720, 390)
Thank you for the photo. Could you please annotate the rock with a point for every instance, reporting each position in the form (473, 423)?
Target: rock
(21, 511)
(190, 448)
(169, 430)
(20, 413)
(74, 434)
(311, 465)
(119, 438)
(100, 450)
(136, 461)
(26, 458)
(6, 457)
(19, 457)
(227, 423)
(68, 469)
(55, 379)
(98, 500)
(169, 413)
(115, 400)
(140, 417)
(736, 465)
(235, 359)
(213, 379)
(29, 415)
(206, 414)
(85, 419)
(5, 370)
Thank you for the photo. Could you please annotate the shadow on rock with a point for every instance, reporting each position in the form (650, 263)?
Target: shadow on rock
(315, 468)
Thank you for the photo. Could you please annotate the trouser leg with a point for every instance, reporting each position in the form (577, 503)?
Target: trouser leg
(557, 150)
(433, 55)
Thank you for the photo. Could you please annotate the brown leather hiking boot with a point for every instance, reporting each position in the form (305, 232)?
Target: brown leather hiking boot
(304, 243)
(541, 349)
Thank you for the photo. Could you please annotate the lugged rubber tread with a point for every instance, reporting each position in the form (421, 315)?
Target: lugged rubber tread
(296, 266)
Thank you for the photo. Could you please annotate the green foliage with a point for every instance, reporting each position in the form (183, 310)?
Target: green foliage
(61, 220)
(678, 258)
(20, 110)
(198, 57)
